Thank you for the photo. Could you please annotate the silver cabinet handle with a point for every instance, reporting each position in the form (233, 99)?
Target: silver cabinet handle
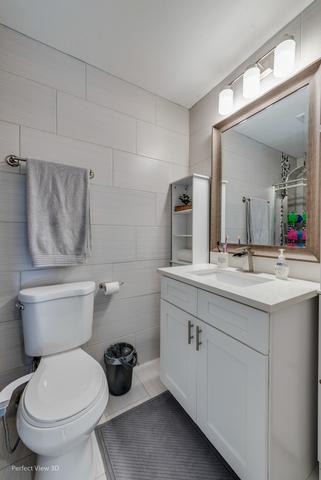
(189, 335)
(198, 342)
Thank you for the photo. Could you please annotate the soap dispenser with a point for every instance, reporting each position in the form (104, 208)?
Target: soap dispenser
(281, 266)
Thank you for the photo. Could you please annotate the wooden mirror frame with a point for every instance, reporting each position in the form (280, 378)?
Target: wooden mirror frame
(311, 76)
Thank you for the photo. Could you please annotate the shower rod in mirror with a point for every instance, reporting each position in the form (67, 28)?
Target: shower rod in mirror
(14, 161)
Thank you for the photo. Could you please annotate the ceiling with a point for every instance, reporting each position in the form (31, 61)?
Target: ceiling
(282, 126)
(178, 49)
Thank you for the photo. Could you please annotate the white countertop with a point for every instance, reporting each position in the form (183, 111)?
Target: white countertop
(269, 297)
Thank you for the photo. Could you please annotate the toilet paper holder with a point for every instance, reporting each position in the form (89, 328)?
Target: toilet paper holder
(101, 285)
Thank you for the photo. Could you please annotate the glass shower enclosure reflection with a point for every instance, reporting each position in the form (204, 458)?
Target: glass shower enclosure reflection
(290, 228)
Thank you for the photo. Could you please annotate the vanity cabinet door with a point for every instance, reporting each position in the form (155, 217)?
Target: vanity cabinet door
(232, 401)
(178, 363)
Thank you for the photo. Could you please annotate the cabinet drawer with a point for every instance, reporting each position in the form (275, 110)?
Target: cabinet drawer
(179, 294)
(249, 325)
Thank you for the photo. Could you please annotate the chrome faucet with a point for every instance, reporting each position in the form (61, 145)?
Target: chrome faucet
(247, 253)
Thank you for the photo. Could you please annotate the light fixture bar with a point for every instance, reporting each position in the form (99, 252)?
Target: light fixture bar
(259, 61)
(284, 63)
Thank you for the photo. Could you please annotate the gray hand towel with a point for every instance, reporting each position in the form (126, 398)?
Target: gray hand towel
(58, 214)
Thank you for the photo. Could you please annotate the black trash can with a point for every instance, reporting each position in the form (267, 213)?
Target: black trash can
(120, 359)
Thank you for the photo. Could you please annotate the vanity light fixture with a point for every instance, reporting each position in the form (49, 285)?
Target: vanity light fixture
(283, 65)
(225, 101)
(251, 82)
(284, 58)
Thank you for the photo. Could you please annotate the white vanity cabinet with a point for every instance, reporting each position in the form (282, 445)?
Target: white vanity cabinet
(178, 356)
(232, 401)
(245, 376)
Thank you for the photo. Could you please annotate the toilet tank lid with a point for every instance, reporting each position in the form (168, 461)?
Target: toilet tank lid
(53, 292)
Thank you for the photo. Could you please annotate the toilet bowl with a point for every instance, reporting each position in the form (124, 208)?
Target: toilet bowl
(67, 395)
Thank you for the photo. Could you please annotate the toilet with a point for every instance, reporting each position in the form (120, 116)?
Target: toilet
(68, 393)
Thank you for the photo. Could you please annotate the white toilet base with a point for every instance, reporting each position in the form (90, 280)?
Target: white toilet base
(78, 463)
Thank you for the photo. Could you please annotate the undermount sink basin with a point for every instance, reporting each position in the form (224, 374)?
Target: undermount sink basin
(236, 279)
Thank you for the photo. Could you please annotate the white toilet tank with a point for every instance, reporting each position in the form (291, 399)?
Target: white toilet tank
(57, 318)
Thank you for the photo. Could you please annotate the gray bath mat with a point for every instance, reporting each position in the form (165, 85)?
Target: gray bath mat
(158, 441)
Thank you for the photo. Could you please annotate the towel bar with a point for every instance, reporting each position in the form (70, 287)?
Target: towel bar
(14, 161)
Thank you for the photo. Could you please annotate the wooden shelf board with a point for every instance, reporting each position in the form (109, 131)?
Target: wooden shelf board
(183, 212)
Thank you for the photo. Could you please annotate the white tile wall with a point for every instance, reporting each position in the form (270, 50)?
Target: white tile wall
(153, 242)
(311, 33)
(147, 343)
(202, 168)
(116, 94)
(31, 59)
(9, 288)
(140, 173)
(172, 116)
(140, 278)
(113, 244)
(87, 121)
(119, 206)
(119, 317)
(11, 346)
(178, 171)
(27, 103)
(56, 108)
(157, 142)
(9, 143)
(13, 247)
(55, 148)
(164, 208)
(200, 146)
(12, 198)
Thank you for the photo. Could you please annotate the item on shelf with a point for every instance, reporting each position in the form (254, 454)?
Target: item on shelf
(185, 199)
(179, 208)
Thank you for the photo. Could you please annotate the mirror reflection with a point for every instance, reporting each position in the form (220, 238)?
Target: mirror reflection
(264, 176)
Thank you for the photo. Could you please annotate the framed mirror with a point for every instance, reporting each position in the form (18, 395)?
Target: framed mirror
(266, 172)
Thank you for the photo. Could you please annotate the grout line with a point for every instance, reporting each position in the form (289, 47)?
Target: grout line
(77, 139)
(133, 225)
(136, 136)
(56, 112)
(86, 82)
(113, 169)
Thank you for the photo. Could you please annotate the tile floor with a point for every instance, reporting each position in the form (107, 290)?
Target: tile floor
(146, 384)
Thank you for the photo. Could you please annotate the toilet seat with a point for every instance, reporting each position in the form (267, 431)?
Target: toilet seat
(63, 388)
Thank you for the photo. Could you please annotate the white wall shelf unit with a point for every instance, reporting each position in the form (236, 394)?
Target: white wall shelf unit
(190, 228)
